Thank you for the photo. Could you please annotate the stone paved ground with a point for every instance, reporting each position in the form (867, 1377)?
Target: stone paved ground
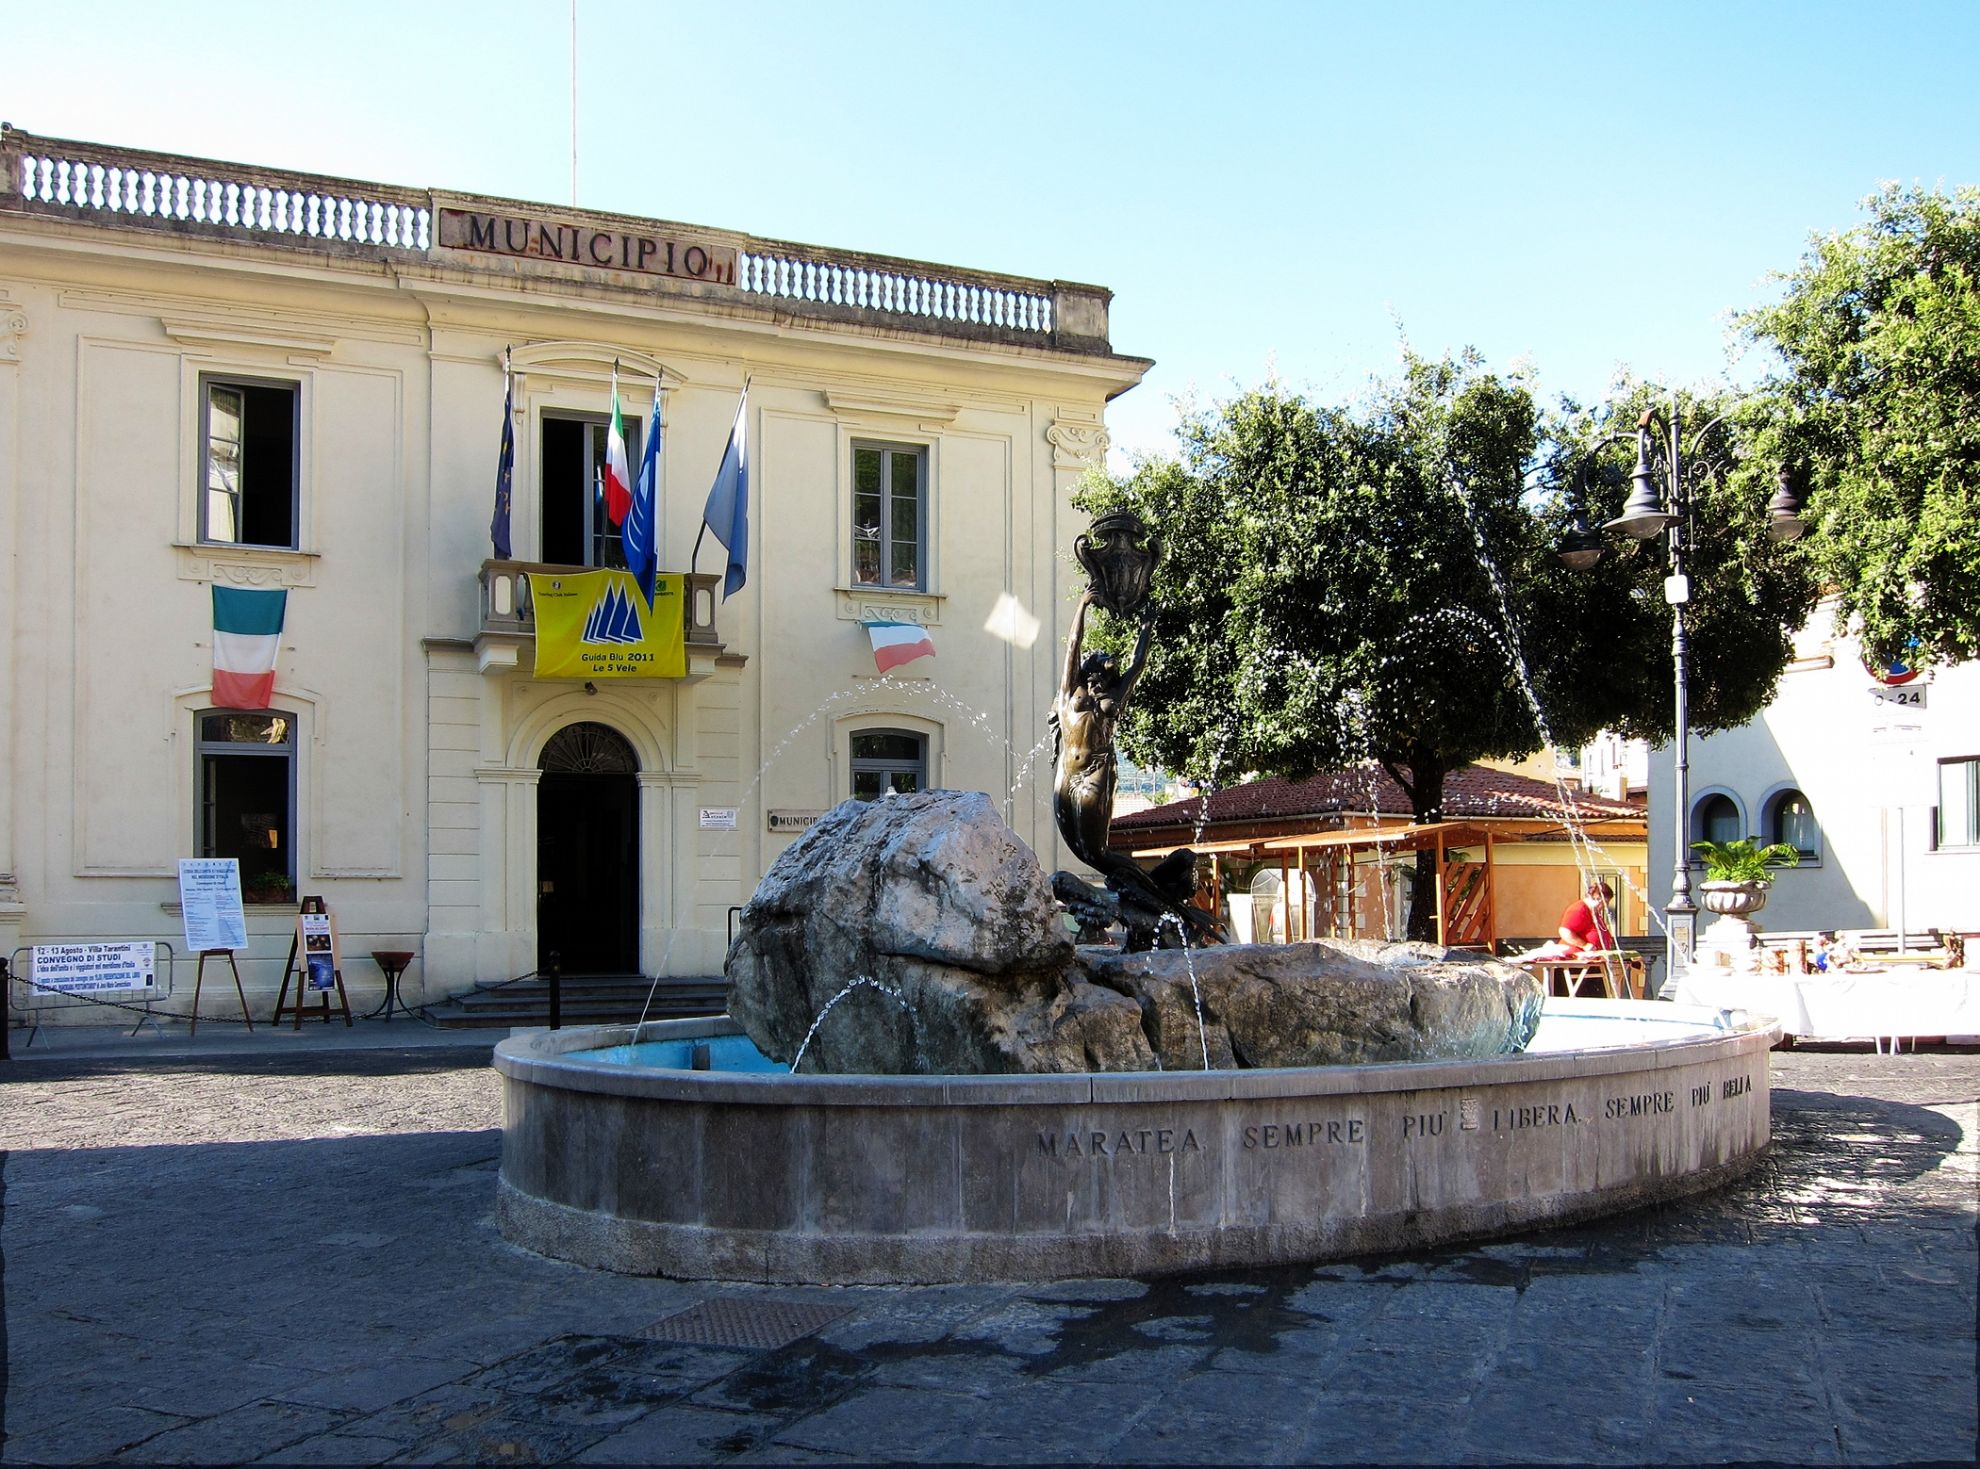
(290, 1259)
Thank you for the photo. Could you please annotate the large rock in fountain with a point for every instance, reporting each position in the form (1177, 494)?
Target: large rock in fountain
(931, 927)
(1324, 1003)
(918, 934)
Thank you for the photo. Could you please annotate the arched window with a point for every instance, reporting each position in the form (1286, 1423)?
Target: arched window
(589, 749)
(1791, 820)
(888, 760)
(1717, 819)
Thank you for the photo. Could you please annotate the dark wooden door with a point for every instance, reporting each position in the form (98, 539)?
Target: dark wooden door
(587, 857)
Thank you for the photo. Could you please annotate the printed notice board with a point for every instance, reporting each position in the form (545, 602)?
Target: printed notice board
(317, 932)
(96, 969)
(210, 900)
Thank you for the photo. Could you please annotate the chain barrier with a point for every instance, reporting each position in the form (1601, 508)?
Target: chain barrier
(144, 1010)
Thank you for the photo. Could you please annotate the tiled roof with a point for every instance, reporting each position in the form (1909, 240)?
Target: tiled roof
(1471, 793)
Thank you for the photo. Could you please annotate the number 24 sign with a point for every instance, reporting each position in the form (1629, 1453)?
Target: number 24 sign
(1910, 697)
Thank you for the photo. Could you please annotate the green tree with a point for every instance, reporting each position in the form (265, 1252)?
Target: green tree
(1879, 397)
(1380, 582)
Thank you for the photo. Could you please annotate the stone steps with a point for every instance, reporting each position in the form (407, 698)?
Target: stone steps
(587, 999)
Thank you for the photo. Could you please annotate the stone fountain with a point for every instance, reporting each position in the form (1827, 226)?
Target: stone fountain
(924, 1078)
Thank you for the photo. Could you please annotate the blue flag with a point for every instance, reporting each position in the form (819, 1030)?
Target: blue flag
(642, 521)
(727, 512)
(505, 468)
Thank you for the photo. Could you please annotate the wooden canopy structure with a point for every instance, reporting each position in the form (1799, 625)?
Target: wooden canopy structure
(1464, 890)
(1343, 828)
(1466, 914)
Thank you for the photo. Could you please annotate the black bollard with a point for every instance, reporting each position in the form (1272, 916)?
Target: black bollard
(6, 1023)
(556, 992)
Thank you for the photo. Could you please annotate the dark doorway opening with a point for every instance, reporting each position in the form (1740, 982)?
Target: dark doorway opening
(587, 852)
(576, 529)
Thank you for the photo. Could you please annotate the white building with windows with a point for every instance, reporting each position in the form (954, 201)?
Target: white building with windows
(216, 375)
(1873, 776)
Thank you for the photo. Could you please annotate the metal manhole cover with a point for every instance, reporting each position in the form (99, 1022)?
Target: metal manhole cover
(727, 1321)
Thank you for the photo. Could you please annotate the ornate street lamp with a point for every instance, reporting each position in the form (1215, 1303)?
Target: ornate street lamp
(1660, 494)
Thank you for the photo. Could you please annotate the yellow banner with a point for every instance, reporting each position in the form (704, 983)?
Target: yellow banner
(595, 624)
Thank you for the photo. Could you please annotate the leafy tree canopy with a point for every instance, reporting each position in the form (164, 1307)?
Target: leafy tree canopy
(1879, 396)
(1369, 581)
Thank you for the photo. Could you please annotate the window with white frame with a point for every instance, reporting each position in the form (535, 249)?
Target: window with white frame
(1958, 822)
(245, 794)
(249, 430)
(1791, 821)
(571, 488)
(890, 516)
(886, 760)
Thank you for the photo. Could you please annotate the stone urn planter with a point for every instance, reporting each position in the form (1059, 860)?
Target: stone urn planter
(1733, 899)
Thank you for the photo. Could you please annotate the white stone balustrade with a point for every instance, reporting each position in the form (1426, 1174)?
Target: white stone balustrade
(870, 289)
(241, 204)
(134, 188)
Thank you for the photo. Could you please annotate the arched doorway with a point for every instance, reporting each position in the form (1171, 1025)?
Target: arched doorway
(587, 852)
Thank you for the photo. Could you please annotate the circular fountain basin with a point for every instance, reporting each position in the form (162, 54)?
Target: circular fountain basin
(618, 1153)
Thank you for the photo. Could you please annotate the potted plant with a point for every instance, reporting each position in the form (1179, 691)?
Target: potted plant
(1736, 880)
(268, 887)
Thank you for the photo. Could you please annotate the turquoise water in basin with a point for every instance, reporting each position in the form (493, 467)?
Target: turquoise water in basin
(1560, 1030)
(725, 1053)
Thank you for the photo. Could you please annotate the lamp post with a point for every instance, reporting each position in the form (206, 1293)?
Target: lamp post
(1660, 494)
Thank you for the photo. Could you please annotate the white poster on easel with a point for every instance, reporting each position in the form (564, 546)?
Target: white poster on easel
(210, 901)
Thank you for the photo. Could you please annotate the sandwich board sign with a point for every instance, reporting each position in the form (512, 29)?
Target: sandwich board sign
(318, 933)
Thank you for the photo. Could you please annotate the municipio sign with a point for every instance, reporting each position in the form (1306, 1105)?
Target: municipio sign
(572, 242)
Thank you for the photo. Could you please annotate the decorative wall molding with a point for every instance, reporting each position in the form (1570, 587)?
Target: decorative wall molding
(229, 336)
(864, 405)
(13, 326)
(200, 314)
(247, 566)
(586, 363)
(1077, 445)
(880, 604)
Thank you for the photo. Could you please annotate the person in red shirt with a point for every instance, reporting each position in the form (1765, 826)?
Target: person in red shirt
(1586, 924)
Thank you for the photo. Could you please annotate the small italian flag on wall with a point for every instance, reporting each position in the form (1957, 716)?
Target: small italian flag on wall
(247, 632)
(895, 643)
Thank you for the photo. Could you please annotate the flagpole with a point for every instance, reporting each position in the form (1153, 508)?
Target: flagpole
(574, 105)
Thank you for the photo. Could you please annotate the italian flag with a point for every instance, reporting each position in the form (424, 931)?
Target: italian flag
(247, 632)
(618, 481)
(895, 643)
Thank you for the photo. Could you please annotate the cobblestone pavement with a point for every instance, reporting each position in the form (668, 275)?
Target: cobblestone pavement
(291, 1259)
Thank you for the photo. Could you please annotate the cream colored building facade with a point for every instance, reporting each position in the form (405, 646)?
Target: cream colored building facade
(440, 794)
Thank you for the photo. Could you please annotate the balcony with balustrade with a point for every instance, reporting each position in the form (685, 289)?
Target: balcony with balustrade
(508, 621)
(127, 189)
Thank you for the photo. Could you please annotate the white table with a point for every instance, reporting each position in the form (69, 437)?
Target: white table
(1844, 1006)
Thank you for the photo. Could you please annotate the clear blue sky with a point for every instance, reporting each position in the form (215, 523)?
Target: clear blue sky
(1265, 187)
